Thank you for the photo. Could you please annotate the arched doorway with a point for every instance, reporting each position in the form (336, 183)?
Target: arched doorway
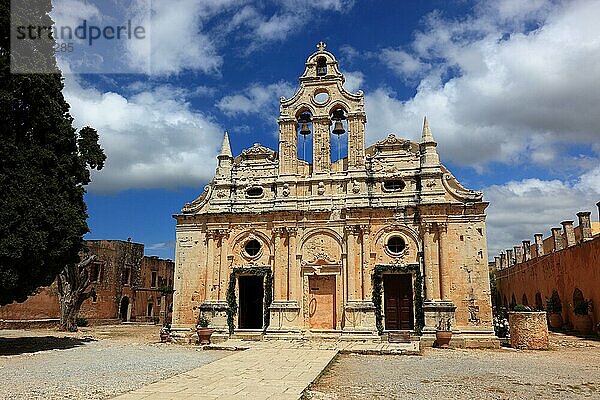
(124, 309)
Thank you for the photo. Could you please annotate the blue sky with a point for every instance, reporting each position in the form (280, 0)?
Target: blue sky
(511, 90)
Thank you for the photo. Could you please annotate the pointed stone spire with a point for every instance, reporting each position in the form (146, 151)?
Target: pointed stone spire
(426, 136)
(225, 147)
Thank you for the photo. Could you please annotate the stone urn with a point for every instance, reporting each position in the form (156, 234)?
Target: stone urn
(528, 330)
(582, 324)
(555, 320)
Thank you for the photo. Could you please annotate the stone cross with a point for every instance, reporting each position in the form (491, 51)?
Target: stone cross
(321, 46)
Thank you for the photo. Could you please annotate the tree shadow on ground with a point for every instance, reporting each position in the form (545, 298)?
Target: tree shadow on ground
(21, 345)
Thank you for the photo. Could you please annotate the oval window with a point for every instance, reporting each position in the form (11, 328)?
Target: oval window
(321, 98)
(394, 186)
(252, 248)
(396, 245)
(255, 191)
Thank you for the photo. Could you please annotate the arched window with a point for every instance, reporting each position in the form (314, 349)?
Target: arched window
(513, 301)
(539, 304)
(577, 296)
(321, 66)
(524, 300)
(305, 127)
(339, 126)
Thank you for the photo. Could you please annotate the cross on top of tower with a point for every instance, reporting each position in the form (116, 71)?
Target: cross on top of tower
(321, 46)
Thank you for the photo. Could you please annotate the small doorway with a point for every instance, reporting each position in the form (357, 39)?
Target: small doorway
(398, 300)
(321, 302)
(252, 293)
(124, 309)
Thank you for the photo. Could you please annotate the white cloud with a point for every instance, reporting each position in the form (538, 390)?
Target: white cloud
(518, 209)
(257, 99)
(152, 139)
(354, 81)
(519, 94)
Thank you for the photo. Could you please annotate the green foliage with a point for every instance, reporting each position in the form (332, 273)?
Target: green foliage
(553, 304)
(232, 301)
(581, 307)
(43, 169)
(378, 290)
(81, 321)
(202, 322)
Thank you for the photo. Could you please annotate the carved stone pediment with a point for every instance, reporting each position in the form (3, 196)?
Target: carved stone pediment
(392, 143)
(258, 152)
(320, 259)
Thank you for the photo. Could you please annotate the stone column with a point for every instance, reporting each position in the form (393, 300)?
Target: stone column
(295, 280)
(356, 140)
(497, 263)
(585, 225)
(212, 273)
(526, 250)
(444, 277)
(223, 267)
(353, 261)
(431, 268)
(365, 256)
(557, 239)
(280, 265)
(539, 244)
(288, 147)
(569, 233)
(321, 145)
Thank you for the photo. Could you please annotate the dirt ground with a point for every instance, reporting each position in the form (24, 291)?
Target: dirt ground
(569, 370)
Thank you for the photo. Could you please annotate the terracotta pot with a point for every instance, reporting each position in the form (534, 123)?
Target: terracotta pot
(204, 335)
(582, 324)
(443, 339)
(555, 320)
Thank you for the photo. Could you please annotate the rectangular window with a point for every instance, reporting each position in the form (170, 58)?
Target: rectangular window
(95, 272)
(150, 310)
(153, 284)
(126, 276)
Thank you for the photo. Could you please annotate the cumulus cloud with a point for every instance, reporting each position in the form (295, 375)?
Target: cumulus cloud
(354, 81)
(153, 139)
(512, 93)
(256, 99)
(518, 209)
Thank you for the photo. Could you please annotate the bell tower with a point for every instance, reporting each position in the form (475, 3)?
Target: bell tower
(321, 101)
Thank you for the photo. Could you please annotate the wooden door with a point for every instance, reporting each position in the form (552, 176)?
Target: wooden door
(251, 302)
(398, 302)
(321, 302)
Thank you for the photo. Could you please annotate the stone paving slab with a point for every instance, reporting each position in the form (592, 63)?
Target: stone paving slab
(263, 372)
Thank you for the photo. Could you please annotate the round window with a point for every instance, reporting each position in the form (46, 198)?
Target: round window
(396, 245)
(252, 247)
(321, 98)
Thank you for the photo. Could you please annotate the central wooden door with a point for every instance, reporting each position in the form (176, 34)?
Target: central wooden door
(321, 302)
(398, 302)
(252, 294)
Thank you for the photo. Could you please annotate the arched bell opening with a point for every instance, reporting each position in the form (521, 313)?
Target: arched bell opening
(305, 137)
(321, 66)
(339, 134)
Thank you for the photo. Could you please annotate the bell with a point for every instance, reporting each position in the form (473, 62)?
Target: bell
(304, 131)
(338, 128)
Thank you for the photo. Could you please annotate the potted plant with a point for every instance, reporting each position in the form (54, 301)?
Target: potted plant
(203, 331)
(554, 309)
(582, 322)
(443, 333)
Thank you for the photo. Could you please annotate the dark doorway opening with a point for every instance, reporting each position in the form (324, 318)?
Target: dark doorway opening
(398, 302)
(252, 294)
(124, 309)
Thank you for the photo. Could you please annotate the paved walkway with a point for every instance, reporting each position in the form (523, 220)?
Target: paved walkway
(265, 372)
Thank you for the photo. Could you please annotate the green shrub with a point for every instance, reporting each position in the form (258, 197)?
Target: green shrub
(81, 321)
(582, 307)
(521, 308)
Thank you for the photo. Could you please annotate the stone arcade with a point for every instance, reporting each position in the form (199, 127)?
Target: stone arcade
(382, 240)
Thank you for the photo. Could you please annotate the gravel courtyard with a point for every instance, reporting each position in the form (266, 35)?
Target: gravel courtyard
(96, 363)
(570, 370)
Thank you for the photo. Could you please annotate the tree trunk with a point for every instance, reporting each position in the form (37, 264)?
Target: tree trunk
(73, 281)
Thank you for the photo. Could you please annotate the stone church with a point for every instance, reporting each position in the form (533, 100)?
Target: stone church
(355, 241)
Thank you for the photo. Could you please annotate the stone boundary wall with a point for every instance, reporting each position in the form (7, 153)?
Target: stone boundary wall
(575, 267)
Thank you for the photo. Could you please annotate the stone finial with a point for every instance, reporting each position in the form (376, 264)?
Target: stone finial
(539, 244)
(225, 147)
(526, 250)
(518, 254)
(321, 46)
(510, 260)
(568, 233)
(557, 239)
(497, 265)
(585, 225)
(502, 260)
(426, 135)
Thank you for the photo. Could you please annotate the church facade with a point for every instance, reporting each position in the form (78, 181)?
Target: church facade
(380, 239)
